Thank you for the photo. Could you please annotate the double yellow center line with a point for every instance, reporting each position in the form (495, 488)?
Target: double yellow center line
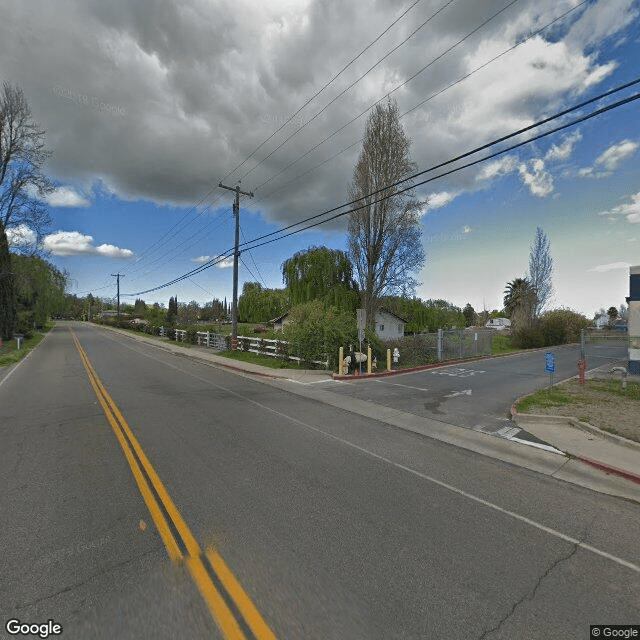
(230, 606)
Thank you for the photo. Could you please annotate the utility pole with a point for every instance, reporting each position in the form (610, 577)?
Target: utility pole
(118, 276)
(236, 256)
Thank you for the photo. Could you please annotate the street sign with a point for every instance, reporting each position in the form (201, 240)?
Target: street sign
(549, 362)
(360, 334)
(362, 318)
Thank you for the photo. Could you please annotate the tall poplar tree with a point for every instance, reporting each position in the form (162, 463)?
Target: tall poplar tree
(385, 244)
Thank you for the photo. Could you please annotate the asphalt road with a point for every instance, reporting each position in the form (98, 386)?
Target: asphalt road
(325, 524)
(478, 394)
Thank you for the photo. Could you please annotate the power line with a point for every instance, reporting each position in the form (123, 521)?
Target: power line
(415, 75)
(327, 84)
(319, 113)
(431, 97)
(591, 115)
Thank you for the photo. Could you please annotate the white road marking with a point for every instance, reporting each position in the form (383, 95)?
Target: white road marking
(397, 384)
(457, 372)
(466, 392)
(445, 485)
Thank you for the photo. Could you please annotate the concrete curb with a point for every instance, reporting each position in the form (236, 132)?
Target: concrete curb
(607, 468)
(524, 419)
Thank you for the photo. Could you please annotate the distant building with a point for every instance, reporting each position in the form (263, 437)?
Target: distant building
(498, 323)
(389, 326)
(601, 321)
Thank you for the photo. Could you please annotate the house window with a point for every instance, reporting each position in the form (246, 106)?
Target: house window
(381, 327)
(400, 329)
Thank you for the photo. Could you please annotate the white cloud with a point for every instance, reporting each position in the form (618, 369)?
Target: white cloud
(66, 197)
(72, 243)
(466, 229)
(225, 264)
(201, 259)
(613, 266)
(441, 199)
(497, 168)
(539, 180)
(157, 100)
(20, 236)
(615, 154)
(630, 210)
(564, 149)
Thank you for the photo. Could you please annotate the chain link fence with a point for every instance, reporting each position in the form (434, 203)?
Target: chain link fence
(443, 345)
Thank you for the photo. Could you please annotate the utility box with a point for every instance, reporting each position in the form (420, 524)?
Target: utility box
(19, 338)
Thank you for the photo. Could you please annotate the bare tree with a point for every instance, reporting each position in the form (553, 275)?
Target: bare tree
(385, 243)
(22, 184)
(540, 271)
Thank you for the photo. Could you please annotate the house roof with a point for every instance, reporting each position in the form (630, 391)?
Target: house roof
(395, 315)
(279, 318)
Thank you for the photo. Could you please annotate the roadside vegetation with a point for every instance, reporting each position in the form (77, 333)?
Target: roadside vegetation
(600, 402)
(9, 352)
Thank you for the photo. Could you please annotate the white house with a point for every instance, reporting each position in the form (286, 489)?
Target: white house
(498, 323)
(601, 321)
(389, 326)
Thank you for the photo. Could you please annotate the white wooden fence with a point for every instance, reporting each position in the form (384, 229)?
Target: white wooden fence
(260, 346)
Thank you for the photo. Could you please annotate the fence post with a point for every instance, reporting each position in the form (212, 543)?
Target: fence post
(340, 359)
(369, 359)
(461, 334)
(582, 344)
(439, 342)
(388, 359)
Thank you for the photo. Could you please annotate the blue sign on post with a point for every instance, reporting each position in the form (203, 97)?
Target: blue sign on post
(549, 362)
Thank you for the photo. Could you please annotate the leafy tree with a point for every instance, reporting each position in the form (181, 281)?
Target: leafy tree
(39, 290)
(188, 313)
(470, 316)
(7, 296)
(612, 312)
(540, 271)
(172, 312)
(385, 243)
(257, 304)
(321, 273)
(318, 330)
(22, 155)
(519, 303)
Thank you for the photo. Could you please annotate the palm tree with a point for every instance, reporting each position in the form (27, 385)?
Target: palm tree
(520, 302)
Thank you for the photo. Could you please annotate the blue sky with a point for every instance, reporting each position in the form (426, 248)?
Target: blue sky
(147, 108)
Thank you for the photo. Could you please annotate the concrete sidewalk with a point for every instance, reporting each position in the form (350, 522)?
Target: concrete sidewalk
(607, 453)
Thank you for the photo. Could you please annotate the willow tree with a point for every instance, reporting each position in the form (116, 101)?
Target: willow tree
(385, 244)
(320, 273)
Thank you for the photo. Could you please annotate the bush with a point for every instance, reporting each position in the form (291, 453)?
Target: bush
(528, 338)
(414, 350)
(561, 326)
(316, 332)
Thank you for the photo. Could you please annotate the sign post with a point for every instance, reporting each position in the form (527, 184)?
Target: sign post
(550, 366)
(362, 323)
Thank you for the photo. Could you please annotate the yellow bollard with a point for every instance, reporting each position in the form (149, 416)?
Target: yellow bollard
(368, 359)
(388, 359)
(340, 360)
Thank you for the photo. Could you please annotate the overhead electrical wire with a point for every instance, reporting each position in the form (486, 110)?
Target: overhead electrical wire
(353, 84)
(386, 95)
(327, 84)
(556, 116)
(167, 236)
(422, 102)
